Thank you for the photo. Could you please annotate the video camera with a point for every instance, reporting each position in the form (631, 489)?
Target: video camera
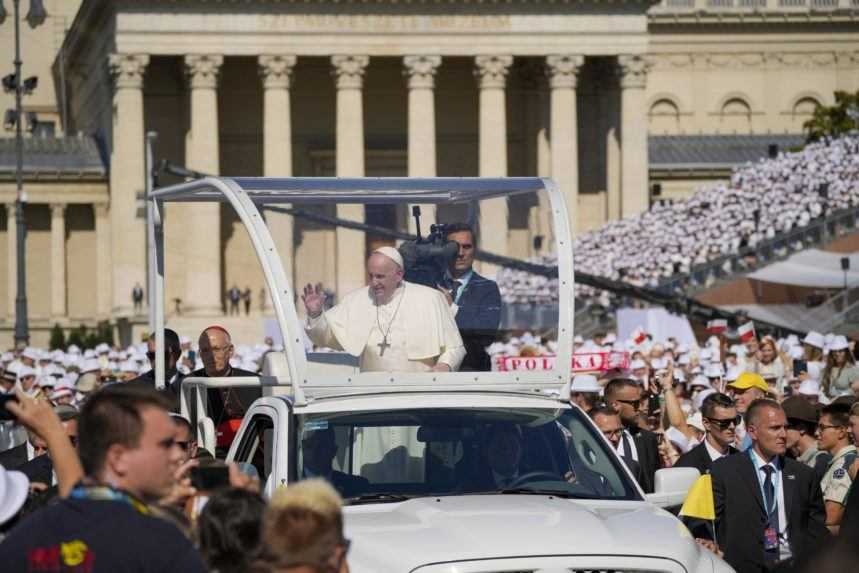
(428, 259)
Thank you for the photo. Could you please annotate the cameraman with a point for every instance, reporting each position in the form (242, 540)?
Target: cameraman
(476, 301)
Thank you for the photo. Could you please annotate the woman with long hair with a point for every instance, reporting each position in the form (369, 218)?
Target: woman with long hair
(772, 363)
(841, 371)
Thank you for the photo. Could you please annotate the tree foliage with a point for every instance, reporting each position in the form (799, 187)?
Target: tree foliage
(58, 338)
(834, 120)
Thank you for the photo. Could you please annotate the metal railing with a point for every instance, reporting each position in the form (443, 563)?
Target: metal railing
(728, 6)
(748, 259)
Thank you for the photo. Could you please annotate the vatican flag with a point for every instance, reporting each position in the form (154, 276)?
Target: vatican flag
(699, 501)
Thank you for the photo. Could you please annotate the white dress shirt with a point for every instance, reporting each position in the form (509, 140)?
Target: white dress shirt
(778, 482)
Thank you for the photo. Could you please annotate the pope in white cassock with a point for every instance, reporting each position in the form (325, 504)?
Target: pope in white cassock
(390, 325)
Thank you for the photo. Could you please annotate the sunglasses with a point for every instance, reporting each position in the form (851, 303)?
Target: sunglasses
(151, 355)
(634, 403)
(724, 424)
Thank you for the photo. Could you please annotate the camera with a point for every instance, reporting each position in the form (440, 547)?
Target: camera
(427, 259)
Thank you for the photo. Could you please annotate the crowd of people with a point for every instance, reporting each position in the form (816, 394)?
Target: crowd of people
(104, 477)
(762, 200)
(720, 408)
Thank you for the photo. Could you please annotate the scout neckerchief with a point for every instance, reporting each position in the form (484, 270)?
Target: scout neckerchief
(106, 493)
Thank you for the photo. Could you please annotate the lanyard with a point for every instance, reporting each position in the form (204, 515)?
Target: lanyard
(776, 482)
(104, 493)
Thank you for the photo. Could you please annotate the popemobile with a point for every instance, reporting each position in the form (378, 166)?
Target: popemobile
(440, 471)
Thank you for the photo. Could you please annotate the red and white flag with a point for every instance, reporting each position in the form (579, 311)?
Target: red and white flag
(746, 331)
(717, 326)
(638, 335)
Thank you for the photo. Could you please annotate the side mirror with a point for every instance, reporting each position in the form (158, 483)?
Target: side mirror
(671, 486)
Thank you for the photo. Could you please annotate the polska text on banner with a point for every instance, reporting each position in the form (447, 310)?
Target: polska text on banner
(584, 362)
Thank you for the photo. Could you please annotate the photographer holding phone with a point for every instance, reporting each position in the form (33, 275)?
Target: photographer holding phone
(128, 455)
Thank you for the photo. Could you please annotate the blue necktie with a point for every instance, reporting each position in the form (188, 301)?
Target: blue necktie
(771, 507)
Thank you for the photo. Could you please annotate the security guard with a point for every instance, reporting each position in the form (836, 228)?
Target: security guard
(833, 436)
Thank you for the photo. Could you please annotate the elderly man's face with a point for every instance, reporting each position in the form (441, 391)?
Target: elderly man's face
(215, 351)
(385, 276)
(744, 398)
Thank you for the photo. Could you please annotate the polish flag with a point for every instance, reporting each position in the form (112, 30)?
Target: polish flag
(638, 335)
(746, 331)
(717, 326)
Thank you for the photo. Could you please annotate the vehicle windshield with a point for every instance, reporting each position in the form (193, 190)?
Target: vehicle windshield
(392, 455)
(506, 314)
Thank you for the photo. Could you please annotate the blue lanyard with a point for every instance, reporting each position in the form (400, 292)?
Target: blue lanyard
(775, 482)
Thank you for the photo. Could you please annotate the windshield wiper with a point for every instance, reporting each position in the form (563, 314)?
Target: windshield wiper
(378, 497)
(536, 491)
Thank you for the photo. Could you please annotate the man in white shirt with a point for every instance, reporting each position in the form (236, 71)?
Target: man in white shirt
(769, 508)
(719, 414)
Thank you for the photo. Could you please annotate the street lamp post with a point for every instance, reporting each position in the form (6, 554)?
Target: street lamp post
(35, 17)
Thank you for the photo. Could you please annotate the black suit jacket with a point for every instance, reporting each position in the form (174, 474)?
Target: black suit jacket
(647, 445)
(241, 398)
(173, 391)
(699, 458)
(39, 469)
(740, 516)
(478, 318)
(14, 457)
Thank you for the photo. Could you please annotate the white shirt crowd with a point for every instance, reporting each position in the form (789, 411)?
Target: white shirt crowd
(762, 200)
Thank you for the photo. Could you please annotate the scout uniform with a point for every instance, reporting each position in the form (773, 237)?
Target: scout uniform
(836, 481)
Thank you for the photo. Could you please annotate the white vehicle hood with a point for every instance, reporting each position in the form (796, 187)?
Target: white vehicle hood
(407, 535)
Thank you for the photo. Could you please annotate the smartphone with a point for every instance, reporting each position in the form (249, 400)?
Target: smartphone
(799, 366)
(6, 415)
(210, 478)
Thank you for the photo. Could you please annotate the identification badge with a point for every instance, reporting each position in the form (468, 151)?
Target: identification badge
(770, 539)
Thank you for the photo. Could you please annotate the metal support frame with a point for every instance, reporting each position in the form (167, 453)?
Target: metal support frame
(243, 194)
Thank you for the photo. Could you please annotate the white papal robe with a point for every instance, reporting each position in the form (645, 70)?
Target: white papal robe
(422, 331)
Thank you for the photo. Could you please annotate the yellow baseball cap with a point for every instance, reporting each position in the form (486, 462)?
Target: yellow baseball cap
(748, 380)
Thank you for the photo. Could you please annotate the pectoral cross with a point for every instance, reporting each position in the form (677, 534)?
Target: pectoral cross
(383, 345)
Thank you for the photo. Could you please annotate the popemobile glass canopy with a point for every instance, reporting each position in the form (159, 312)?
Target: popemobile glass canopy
(512, 304)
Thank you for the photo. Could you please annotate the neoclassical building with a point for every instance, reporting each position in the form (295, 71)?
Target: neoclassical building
(583, 91)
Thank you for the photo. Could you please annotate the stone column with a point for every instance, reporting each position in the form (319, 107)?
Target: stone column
(128, 249)
(421, 71)
(11, 260)
(351, 245)
(276, 73)
(492, 75)
(203, 220)
(563, 73)
(633, 134)
(58, 260)
(102, 255)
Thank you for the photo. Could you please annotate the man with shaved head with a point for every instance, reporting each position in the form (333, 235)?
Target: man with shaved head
(389, 325)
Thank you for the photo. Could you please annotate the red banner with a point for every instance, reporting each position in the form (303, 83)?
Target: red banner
(584, 362)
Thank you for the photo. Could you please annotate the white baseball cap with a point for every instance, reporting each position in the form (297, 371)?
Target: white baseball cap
(585, 383)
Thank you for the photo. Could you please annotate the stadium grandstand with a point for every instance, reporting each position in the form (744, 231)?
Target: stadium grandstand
(771, 210)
